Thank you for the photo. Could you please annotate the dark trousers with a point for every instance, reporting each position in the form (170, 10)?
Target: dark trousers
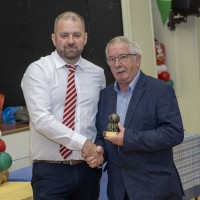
(65, 182)
(126, 196)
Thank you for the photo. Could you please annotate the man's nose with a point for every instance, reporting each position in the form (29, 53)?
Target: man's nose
(71, 39)
(117, 62)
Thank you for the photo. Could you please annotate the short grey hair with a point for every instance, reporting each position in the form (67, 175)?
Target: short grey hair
(69, 16)
(134, 48)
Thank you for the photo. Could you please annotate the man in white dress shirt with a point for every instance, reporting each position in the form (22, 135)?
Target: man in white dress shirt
(44, 87)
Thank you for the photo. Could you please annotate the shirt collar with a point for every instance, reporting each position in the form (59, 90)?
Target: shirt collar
(59, 62)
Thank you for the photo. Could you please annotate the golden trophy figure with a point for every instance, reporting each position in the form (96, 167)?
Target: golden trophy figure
(113, 128)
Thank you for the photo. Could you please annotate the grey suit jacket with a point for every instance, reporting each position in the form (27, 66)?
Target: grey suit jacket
(144, 166)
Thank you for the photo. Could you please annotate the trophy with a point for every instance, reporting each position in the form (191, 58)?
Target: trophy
(113, 128)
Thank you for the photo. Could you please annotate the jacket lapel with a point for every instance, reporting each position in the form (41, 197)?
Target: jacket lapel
(135, 99)
(112, 100)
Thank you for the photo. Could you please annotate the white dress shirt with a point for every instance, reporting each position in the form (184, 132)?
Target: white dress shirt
(44, 86)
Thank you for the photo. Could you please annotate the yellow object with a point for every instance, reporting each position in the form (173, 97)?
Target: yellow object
(4, 176)
(16, 191)
(109, 133)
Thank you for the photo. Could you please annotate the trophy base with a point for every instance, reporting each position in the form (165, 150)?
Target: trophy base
(109, 133)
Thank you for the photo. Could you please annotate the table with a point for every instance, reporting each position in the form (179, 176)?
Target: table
(16, 190)
(187, 160)
(7, 129)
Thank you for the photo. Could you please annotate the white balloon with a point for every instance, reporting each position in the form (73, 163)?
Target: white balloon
(163, 68)
(159, 69)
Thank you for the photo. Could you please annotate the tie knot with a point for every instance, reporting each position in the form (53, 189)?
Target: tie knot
(71, 68)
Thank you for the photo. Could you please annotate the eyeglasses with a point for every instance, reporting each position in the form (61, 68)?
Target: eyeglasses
(121, 58)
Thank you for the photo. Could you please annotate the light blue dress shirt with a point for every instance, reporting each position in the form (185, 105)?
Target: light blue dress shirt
(123, 99)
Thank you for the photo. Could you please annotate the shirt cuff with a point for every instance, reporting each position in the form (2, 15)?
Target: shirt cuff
(77, 141)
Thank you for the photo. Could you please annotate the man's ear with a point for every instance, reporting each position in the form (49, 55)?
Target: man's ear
(53, 37)
(86, 37)
(138, 60)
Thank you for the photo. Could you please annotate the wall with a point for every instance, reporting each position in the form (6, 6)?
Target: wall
(182, 59)
(138, 24)
(32, 36)
(142, 21)
(18, 146)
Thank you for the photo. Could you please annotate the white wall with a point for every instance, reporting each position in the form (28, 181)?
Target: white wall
(182, 59)
(18, 146)
(137, 24)
(142, 21)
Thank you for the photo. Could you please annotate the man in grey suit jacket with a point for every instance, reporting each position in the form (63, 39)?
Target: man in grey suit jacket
(140, 163)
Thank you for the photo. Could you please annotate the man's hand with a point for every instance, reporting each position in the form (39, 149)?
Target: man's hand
(92, 154)
(89, 149)
(95, 161)
(118, 139)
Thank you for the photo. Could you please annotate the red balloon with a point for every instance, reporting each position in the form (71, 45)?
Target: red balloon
(165, 76)
(2, 146)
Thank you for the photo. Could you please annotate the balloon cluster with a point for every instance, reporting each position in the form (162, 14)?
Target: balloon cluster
(162, 71)
(5, 162)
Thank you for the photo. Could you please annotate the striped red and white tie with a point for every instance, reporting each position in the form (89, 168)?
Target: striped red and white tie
(70, 106)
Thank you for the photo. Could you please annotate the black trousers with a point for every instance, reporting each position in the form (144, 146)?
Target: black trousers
(126, 196)
(52, 181)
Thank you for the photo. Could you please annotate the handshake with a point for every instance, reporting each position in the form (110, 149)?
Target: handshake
(93, 155)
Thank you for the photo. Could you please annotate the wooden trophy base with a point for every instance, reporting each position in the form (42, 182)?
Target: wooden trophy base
(109, 133)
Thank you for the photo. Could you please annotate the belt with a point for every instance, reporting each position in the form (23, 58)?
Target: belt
(65, 162)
